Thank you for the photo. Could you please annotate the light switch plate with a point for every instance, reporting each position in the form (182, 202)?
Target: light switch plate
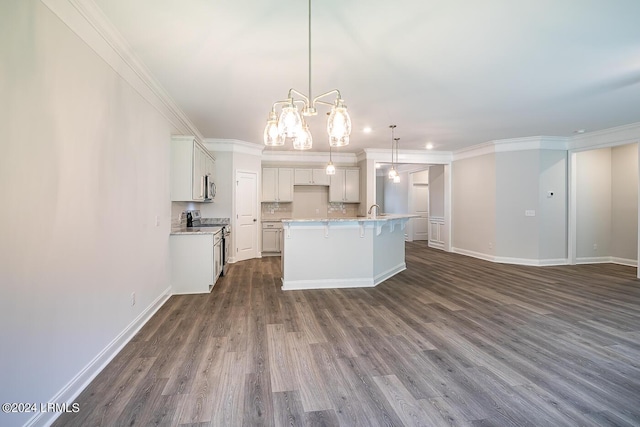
(529, 213)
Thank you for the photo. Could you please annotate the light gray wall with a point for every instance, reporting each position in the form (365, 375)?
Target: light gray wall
(436, 190)
(624, 202)
(421, 177)
(552, 211)
(593, 203)
(517, 176)
(84, 172)
(396, 195)
(474, 204)
(380, 182)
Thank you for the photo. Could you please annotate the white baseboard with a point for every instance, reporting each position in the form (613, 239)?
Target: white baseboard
(436, 245)
(624, 261)
(70, 391)
(532, 262)
(607, 259)
(296, 285)
(389, 273)
(363, 282)
(473, 254)
(511, 260)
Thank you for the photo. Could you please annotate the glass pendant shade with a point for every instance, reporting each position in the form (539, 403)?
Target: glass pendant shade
(331, 170)
(396, 179)
(338, 142)
(339, 123)
(272, 137)
(392, 173)
(303, 140)
(290, 122)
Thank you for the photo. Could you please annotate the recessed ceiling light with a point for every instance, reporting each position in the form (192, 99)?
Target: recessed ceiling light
(429, 146)
(366, 130)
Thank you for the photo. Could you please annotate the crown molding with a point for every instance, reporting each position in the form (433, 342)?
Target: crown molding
(308, 157)
(380, 155)
(513, 144)
(610, 137)
(90, 24)
(234, 146)
(532, 143)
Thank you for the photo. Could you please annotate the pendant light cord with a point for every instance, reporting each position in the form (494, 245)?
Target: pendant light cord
(310, 94)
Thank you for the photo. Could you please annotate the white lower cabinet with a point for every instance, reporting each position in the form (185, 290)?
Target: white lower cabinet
(271, 238)
(196, 262)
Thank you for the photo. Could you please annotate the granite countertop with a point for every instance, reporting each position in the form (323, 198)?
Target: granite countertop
(196, 230)
(370, 218)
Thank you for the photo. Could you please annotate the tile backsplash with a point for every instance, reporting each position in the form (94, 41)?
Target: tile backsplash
(331, 210)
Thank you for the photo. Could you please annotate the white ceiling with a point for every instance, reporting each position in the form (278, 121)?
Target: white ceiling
(454, 72)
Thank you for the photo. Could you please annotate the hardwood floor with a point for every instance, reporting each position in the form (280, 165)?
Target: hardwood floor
(451, 341)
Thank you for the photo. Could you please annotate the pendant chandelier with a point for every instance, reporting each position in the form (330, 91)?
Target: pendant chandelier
(393, 172)
(291, 124)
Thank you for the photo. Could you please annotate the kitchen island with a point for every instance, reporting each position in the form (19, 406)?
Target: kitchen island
(342, 252)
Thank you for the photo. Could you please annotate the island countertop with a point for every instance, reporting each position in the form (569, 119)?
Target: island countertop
(369, 218)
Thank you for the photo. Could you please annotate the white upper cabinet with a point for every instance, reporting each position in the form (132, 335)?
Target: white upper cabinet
(345, 186)
(309, 176)
(190, 162)
(277, 184)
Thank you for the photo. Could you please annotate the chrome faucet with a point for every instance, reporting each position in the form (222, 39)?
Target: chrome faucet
(374, 206)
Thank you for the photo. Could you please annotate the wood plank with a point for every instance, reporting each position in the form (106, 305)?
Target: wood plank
(452, 340)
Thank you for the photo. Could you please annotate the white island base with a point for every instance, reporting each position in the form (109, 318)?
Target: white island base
(342, 252)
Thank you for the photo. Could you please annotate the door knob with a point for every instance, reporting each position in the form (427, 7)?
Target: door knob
(254, 220)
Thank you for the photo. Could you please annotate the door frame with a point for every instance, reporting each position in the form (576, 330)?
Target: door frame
(234, 213)
(410, 203)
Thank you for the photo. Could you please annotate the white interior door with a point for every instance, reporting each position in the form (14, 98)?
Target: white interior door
(420, 197)
(246, 216)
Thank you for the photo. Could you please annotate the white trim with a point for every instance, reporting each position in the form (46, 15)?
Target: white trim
(607, 260)
(294, 285)
(345, 159)
(510, 260)
(473, 254)
(436, 245)
(556, 143)
(531, 262)
(610, 137)
(234, 146)
(474, 151)
(78, 383)
(234, 213)
(89, 23)
(572, 209)
(381, 277)
(624, 261)
(427, 157)
(448, 207)
(593, 260)
(363, 282)
(513, 144)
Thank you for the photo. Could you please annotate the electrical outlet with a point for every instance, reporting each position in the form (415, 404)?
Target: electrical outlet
(529, 213)
(490, 245)
(133, 299)
(595, 246)
(157, 221)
